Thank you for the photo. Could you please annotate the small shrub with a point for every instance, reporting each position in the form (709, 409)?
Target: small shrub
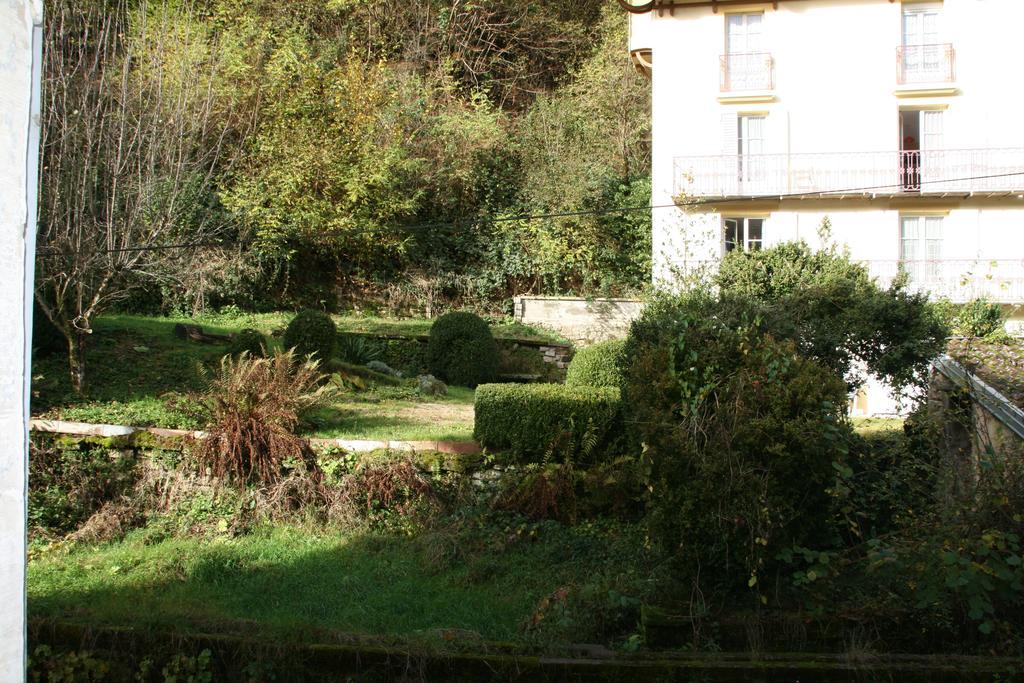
(256, 404)
(978, 318)
(461, 350)
(540, 492)
(248, 341)
(533, 422)
(357, 349)
(311, 333)
(67, 486)
(597, 365)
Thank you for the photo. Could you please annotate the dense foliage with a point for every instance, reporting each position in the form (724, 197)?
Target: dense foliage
(541, 422)
(311, 333)
(740, 436)
(836, 313)
(461, 350)
(359, 144)
(597, 365)
(976, 318)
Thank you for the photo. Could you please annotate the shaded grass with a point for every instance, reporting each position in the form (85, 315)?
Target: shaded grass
(293, 582)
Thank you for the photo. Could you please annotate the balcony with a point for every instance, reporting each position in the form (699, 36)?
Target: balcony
(896, 173)
(920, 64)
(744, 72)
(959, 280)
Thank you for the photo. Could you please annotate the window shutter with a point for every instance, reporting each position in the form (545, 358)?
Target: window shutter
(730, 134)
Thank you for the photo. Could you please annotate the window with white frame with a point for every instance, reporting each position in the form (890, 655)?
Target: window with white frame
(743, 234)
(747, 66)
(924, 55)
(921, 247)
(750, 150)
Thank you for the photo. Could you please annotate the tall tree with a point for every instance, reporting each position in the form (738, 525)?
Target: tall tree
(131, 144)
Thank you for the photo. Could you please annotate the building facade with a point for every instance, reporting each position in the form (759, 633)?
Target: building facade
(899, 122)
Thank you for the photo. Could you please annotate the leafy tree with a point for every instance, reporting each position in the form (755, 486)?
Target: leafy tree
(836, 313)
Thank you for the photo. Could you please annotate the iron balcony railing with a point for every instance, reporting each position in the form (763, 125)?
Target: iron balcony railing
(925, 64)
(927, 172)
(959, 280)
(746, 71)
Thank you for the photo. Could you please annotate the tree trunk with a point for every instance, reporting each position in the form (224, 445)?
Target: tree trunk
(76, 361)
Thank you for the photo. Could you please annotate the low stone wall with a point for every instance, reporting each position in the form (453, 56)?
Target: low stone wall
(584, 321)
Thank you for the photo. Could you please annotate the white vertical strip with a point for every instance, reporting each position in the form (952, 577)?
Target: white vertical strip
(20, 72)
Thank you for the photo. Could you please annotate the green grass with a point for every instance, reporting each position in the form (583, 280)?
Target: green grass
(140, 374)
(292, 582)
(398, 413)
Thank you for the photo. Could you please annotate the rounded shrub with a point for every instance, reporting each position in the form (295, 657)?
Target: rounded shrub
(311, 333)
(250, 341)
(597, 365)
(461, 350)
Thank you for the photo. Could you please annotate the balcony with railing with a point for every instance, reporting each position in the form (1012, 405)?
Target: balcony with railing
(747, 72)
(959, 280)
(932, 172)
(919, 64)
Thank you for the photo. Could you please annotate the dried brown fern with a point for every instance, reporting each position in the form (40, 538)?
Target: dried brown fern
(256, 405)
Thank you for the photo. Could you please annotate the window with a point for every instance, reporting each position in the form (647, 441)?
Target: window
(921, 247)
(924, 57)
(743, 234)
(750, 151)
(745, 65)
(743, 33)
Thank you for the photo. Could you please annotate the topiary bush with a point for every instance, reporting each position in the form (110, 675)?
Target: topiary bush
(461, 350)
(311, 333)
(538, 422)
(597, 365)
(248, 341)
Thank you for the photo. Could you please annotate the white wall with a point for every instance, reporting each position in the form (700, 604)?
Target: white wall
(835, 74)
(20, 44)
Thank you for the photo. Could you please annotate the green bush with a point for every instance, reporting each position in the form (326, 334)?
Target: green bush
(250, 341)
(535, 422)
(461, 350)
(597, 365)
(311, 332)
(978, 318)
(741, 436)
(835, 312)
(357, 349)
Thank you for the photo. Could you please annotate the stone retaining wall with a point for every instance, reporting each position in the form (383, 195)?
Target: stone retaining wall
(584, 321)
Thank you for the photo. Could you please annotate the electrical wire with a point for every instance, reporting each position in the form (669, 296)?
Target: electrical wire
(452, 225)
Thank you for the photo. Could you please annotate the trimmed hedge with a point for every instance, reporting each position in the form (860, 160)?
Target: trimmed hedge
(597, 365)
(461, 350)
(311, 333)
(528, 422)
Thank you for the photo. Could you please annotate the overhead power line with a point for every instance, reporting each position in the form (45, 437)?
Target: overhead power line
(451, 225)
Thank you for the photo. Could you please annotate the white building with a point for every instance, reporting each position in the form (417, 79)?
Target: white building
(902, 122)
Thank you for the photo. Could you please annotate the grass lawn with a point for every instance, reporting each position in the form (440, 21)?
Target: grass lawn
(399, 413)
(293, 582)
(140, 374)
